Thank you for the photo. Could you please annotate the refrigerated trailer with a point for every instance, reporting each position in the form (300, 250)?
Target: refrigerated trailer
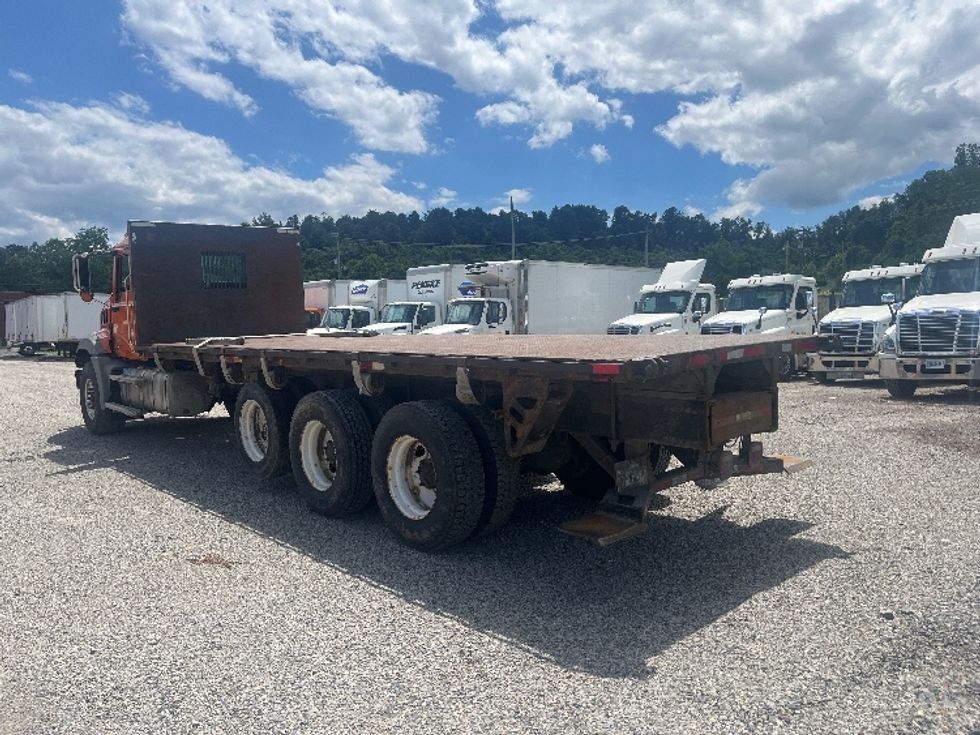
(51, 320)
(436, 430)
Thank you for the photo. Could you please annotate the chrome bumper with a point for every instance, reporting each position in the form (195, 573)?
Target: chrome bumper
(952, 369)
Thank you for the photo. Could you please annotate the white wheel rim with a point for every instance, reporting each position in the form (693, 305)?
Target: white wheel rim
(412, 478)
(318, 452)
(254, 430)
(88, 395)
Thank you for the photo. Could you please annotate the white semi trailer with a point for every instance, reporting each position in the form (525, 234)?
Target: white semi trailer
(783, 303)
(428, 289)
(675, 304)
(936, 335)
(361, 305)
(59, 320)
(850, 335)
(540, 297)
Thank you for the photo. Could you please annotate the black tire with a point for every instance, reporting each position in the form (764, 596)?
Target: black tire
(901, 388)
(97, 420)
(824, 379)
(264, 445)
(501, 472)
(434, 435)
(331, 461)
(375, 407)
(27, 350)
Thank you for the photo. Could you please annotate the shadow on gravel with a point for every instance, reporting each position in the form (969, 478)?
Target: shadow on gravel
(602, 611)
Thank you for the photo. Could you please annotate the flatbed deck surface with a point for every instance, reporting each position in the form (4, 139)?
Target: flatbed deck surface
(560, 348)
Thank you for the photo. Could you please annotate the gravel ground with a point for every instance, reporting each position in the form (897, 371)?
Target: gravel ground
(149, 584)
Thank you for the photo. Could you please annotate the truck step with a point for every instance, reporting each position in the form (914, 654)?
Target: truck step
(603, 528)
(121, 378)
(133, 413)
(793, 464)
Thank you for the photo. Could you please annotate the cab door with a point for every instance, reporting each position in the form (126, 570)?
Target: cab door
(803, 318)
(498, 317)
(704, 303)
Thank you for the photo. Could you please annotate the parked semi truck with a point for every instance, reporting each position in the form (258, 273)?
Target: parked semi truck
(850, 335)
(433, 430)
(780, 304)
(936, 335)
(51, 320)
(675, 304)
(539, 297)
(429, 288)
(361, 305)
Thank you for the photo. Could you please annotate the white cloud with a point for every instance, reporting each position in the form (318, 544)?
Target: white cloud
(66, 167)
(817, 98)
(443, 198)
(519, 197)
(20, 76)
(690, 210)
(873, 201)
(132, 103)
(599, 153)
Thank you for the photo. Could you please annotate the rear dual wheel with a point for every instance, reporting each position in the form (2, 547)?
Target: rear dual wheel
(428, 474)
(261, 420)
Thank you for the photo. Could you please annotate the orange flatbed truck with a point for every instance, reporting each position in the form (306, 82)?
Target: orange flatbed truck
(435, 429)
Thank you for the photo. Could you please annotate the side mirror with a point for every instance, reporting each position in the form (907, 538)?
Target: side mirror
(80, 276)
(696, 316)
(762, 313)
(888, 298)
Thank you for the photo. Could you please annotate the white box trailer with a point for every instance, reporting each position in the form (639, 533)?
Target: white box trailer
(542, 297)
(46, 320)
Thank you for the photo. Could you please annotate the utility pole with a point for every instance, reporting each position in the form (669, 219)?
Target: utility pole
(513, 232)
(786, 267)
(646, 248)
(338, 255)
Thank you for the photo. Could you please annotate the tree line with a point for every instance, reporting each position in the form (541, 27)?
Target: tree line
(385, 244)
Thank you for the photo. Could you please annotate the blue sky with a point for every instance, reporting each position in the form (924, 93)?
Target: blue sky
(171, 109)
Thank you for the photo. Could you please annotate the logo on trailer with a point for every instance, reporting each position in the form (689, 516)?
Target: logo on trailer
(429, 286)
(468, 288)
(358, 288)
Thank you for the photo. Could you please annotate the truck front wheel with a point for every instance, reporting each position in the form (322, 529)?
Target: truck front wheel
(97, 419)
(330, 449)
(900, 388)
(262, 430)
(428, 475)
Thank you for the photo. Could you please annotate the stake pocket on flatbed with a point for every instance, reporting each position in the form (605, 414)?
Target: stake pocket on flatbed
(441, 426)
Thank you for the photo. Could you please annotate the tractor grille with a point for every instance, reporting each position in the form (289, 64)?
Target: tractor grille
(939, 333)
(721, 329)
(848, 337)
(621, 329)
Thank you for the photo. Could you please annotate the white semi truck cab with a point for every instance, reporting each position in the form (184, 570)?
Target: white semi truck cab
(428, 288)
(850, 335)
(936, 335)
(675, 304)
(364, 301)
(783, 303)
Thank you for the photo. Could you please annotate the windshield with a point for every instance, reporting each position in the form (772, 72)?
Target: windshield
(335, 318)
(398, 313)
(869, 293)
(664, 302)
(755, 297)
(464, 312)
(950, 276)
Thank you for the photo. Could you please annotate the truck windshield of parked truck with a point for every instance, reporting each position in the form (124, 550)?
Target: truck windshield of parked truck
(950, 276)
(664, 302)
(755, 297)
(335, 318)
(869, 293)
(398, 313)
(464, 312)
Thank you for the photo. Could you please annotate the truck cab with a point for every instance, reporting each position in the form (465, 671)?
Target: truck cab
(936, 335)
(850, 335)
(783, 303)
(675, 304)
(362, 304)
(406, 317)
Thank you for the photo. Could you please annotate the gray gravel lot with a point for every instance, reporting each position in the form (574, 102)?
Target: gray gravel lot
(149, 584)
